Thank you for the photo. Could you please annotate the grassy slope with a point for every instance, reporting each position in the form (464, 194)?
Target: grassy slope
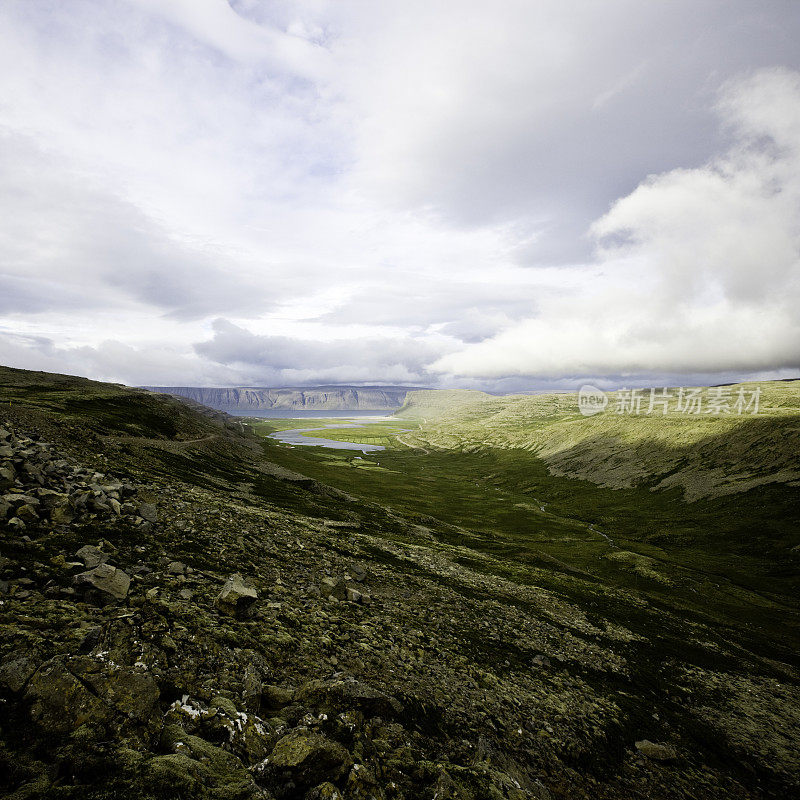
(705, 455)
(498, 467)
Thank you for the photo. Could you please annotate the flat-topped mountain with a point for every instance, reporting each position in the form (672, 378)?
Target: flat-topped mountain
(323, 398)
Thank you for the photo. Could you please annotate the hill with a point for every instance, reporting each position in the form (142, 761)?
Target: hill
(703, 454)
(185, 614)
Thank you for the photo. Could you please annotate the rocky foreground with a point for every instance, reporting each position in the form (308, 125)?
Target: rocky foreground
(181, 619)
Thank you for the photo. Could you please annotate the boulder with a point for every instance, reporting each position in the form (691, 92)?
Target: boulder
(7, 478)
(14, 674)
(307, 759)
(147, 511)
(62, 515)
(110, 582)
(331, 587)
(60, 703)
(656, 752)
(27, 513)
(236, 596)
(339, 695)
(91, 556)
(353, 595)
(50, 499)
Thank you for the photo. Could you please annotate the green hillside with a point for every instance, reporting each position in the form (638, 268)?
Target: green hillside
(704, 455)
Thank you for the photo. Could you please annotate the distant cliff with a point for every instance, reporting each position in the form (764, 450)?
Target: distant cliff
(331, 398)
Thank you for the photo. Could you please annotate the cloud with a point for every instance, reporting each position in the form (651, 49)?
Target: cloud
(331, 178)
(701, 267)
(291, 361)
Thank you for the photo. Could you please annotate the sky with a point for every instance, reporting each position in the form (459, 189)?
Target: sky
(504, 195)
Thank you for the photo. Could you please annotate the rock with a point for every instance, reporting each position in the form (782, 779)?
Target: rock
(339, 695)
(60, 703)
(308, 758)
(353, 595)
(50, 499)
(109, 581)
(541, 660)
(358, 572)
(91, 556)
(331, 587)
(236, 596)
(5, 508)
(224, 705)
(196, 766)
(274, 698)
(325, 791)
(656, 752)
(7, 478)
(176, 568)
(27, 514)
(16, 524)
(62, 515)
(15, 674)
(129, 691)
(147, 511)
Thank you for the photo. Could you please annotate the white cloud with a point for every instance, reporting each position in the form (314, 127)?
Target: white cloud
(701, 266)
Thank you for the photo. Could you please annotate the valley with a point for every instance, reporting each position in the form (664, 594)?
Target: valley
(191, 608)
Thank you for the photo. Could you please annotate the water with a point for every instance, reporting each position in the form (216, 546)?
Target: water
(295, 436)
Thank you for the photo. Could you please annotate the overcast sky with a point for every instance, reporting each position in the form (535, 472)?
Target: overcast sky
(501, 195)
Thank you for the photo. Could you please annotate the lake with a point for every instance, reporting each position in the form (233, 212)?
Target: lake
(295, 436)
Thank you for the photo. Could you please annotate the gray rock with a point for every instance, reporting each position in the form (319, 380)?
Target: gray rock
(15, 674)
(7, 477)
(353, 595)
(236, 596)
(656, 752)
(331, 587)
(147, 511)
(91, 556)
(49, 498)
(109, 581)
(176, 568)
(17, 499)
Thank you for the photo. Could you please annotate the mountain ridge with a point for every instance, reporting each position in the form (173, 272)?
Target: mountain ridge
(334, 398)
